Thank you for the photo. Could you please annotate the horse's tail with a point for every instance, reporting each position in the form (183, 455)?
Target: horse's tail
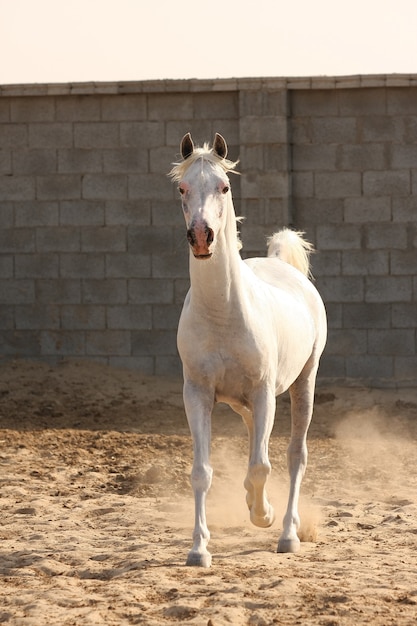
(290, 246)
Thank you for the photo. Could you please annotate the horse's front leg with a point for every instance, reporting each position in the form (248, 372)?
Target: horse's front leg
(198, 407)
(302, 400)
(260, 427)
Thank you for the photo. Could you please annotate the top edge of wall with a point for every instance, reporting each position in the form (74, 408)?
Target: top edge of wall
(207, 85)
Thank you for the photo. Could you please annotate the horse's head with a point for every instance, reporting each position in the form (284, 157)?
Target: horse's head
(205, 192)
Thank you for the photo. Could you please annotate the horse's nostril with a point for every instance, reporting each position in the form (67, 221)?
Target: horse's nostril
(210, 236)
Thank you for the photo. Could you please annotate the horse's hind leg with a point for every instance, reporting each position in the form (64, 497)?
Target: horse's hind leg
(302, 400)
(198, 407)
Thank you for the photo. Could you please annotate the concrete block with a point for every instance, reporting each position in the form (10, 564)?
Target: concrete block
(394, 183)
(104, 186)
(6, 266)
(126, 160)
(371, 368)
(17, 188)
(5, 110)
(404, 262)
(163, 106)
(34, 161)
(130, 317)
(126, 265)
(124, 107)
(314, 157)
(360, 315)
(403, 156)
(58, 239)
(168, 366)
(6, 162)
(264, 130)
(311, 211)
(338, 184)
(404, 209)
(58, 187)
(7, 318)
(380, 128)
(151, 291)
(214, 105)
(388, 289)
(360, 157)
(401, 101)
(20, 344)
(314, 102)
(327, 263)
(83, 317)
(331, 368)
(105, 342)
(345, 342)
(386, 236)
(14, 240)
(154, 343)
(167, 213)
(17, 291)
(360, 102)
(264, 184)
(149, 240)
(201, 130)
(50, 136)
(7, 215)
(391, 341)
(261, 103)
(142, 134)
(81, 213)
(26, 109)
(13, 136)
(369, 209)
(181, 287)
(405, 368)
(166, 316)
(334, 130)
(31, 214)
(170, 265)
(150, 187)
(78, 108)
(106, 292)
(78, 265)
(37, 317)
(365, 262)
(128, 212)
(36, 265)
(340, 289)
(404, 315)
(79, 160)
(103, 239)
(62, 343)
(58, 291)
(332, 237)
(334, 314)
(96, 135)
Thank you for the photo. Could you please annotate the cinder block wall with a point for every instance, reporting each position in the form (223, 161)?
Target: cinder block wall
(93, 256)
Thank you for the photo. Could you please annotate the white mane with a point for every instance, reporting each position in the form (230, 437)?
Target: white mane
(179, 169)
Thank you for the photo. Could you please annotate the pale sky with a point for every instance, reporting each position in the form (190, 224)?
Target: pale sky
(122, 40)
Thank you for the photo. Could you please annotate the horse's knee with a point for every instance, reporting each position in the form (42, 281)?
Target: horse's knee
(259, 472)
(201, 476)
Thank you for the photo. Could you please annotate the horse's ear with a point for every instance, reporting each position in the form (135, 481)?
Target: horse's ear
(187, 146)
(220, 146)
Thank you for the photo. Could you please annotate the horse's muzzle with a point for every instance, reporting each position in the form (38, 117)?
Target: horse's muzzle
(200, 239)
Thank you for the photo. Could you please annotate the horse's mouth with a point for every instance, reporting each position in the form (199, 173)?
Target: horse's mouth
(202, 257)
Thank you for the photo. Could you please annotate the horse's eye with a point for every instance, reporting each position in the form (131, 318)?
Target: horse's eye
(225, 189)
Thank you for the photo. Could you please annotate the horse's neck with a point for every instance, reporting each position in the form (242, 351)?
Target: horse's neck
(216, 284)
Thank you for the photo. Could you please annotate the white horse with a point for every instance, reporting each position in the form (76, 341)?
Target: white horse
(249, 330)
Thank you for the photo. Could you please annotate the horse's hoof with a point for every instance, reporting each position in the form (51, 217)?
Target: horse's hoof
(263, 521)
(288, 545)
(197, 559)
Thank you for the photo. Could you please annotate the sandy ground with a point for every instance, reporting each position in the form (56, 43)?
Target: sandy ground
(97, 511)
